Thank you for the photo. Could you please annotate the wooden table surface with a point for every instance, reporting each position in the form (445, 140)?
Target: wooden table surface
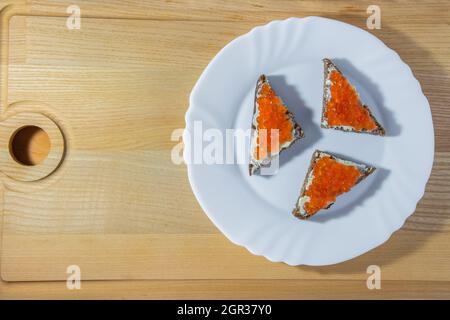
(415, 262)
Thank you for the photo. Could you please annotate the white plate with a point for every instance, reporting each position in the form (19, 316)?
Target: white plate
(255, 212)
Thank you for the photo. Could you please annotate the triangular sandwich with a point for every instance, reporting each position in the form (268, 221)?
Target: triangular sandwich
(342, 106)
(269, 113)
(328, 177)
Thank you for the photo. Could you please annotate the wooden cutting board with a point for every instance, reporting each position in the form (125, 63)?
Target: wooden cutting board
(108, 198)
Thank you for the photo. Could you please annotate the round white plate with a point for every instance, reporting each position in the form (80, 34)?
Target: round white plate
(255, 212)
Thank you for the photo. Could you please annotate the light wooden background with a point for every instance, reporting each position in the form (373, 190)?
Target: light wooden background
(415, 262)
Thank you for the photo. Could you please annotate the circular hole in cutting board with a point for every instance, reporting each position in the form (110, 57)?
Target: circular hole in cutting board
(29, 145)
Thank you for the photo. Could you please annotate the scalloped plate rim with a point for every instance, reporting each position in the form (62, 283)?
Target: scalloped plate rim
(188, 122)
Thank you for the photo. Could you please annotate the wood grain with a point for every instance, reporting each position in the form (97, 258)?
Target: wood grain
(186, 35)
(227, 289)
(202, 256)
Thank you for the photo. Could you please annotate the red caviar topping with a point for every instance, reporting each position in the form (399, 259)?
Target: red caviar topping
(273, 114)
(344, 107)
(331, 179)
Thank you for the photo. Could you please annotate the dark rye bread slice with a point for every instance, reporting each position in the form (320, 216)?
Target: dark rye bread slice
(298, 133)
(299, 210)
(329, 66)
